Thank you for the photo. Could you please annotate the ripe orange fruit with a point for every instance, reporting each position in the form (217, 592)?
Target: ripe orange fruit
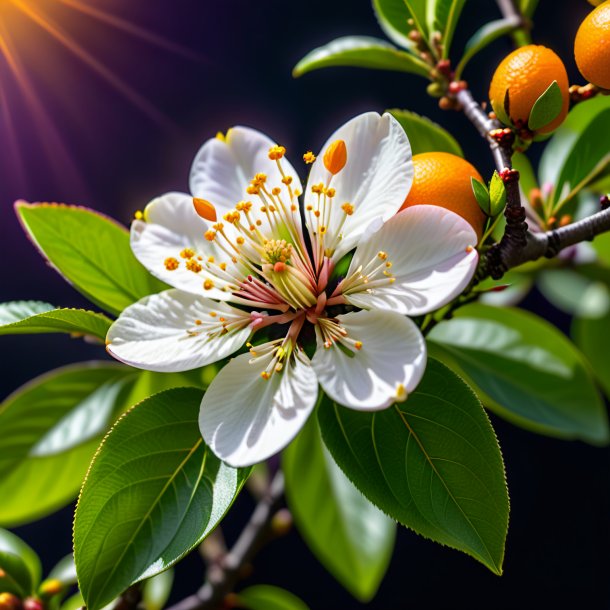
(526, 74)
(592, 46)
(443, 179)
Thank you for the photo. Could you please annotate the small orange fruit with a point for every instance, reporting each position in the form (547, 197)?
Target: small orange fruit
(526, 74)
(443, 179)
(592, 46)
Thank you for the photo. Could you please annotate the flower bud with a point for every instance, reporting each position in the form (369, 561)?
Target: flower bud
(51, 587)
(8, 601)
(33, 603)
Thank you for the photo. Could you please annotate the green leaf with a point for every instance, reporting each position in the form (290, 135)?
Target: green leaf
(443, 17)
(482, 38)
(393, 16)
(21, 564)
(576, 155)
(574, 293)
(425, 135)
(156, 590)
(527, 177)
(546, 108)
(154, 491)
(361, 52)
(64, 571)
(591, 335)
(91, 251)
(352, 538)
(527, 7)
(432, 463)
(518, 286)
(267, 597)
(75, 602)
(497, 195)
(49, 430)
(481, 194)
(524, 370)
(27, 317)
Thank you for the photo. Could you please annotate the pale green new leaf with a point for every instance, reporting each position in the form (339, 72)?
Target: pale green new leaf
(29, 317)
(443, 17)
(267, 597)
(361, 52)
(153, 493)
(49, 430)
(425, 135)
(546, 108)
(481, 194)
(576, 156)
(91, 251)
(432, 463)
(524, 370)
(497, 195)
(527, 7)
(483, 37)
(393, 16)
(21, 564)
(352, 538)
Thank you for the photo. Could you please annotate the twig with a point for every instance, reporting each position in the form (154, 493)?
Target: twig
(519, 245)
(221, 581)
(130, 599)
(509, 10)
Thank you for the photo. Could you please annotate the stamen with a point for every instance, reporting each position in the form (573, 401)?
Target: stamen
(309, 157)
(187, 253)
(335, 157)
(171, 264)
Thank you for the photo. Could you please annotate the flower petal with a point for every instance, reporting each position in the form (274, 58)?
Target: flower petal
(387, 367)
(176, 331)
(224, 167)
(245, 419)
(376, 179)
(171, 225)
(432, 255)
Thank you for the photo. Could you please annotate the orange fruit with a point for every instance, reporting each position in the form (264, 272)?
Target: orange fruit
(592, 46)
(526, 74)
(443, 179)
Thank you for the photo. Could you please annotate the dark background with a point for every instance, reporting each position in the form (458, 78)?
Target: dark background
(80, 140)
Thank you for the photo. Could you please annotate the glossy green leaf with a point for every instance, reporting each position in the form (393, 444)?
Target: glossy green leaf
(21, 564)
(576, 155)
(497, 195)
(91, 251)
(481, 194)
(510, 290)
(591, 335)
(267, 597)
(75, 602)
(482, 38)
(546, 108)
(393, 16)
(432, 463)
(28, 317)
(49, 430)
(352, 538)
(156, 590)
(425, 135)
(601, 245)
(574, 293)
(153, 493)
(361, 52)
(527, 7)
(443, 17)
(525, 370)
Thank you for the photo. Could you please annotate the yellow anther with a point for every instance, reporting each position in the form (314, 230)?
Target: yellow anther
(287, 179)
(253, 190)
(276, 153)
(309, 207)
(213, 314)
(198, 322)
(211, 259)
(240, 240)
(317, 188)
(276, 191)
(469, 249)
(171, 264)
(223, 266)
(297, 193)
(388, 264)
(278, 367)
(259, 223)
(317, 213)
(309, 157)
(358, 345)
(210, 236)
(294, 208)
(231, 217)
(401, 393)
(265, 375)
(330, 193)
(260, 178)
(387, 273)
(272, 209)
(187, 253)
(205, 209)
(322, 230)
(382, 255)
(392, 280)
(208, 285)
(348, 208)
(335, 157)
(264, 209)
(218, 226)
(244, 206)
(220, 136)
(193, 265)
(138, 215)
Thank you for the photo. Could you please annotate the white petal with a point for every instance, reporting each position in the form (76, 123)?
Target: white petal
(172, 225)
(245, 419)
(393, 354)
(376, 179)
(161, 333)
(433, 256)
(223, 168)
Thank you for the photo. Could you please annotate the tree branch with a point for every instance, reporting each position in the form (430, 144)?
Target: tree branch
(222, 578)
(509, 10)
(518, 245)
